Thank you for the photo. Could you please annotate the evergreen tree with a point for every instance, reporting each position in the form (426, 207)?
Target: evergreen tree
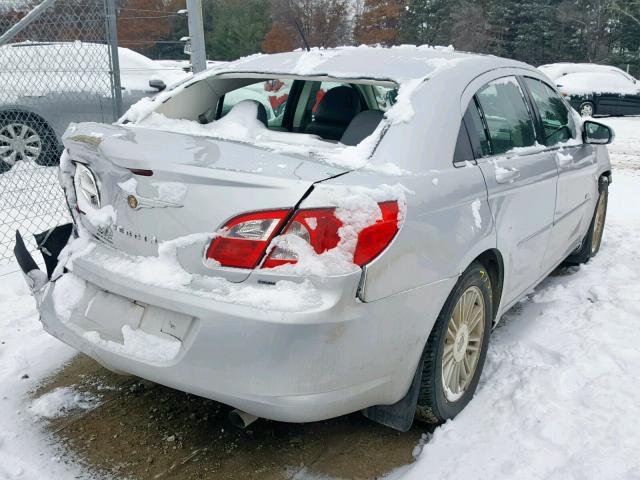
(235, 28)
(534, 31)
(426, 22)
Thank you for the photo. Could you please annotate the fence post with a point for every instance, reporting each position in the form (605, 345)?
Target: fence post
(114, 59)
(10, 34)
(196, 32)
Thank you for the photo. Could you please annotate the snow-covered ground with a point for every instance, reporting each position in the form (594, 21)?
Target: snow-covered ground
(559, 397)
(560, 394)
(27, 355)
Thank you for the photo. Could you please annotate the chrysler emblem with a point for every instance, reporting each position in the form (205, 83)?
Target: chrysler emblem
(132, 201)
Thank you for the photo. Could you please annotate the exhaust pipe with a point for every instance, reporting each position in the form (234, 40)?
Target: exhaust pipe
(240, 419)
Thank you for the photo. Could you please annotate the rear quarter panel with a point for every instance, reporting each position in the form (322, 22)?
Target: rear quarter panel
(447, 224)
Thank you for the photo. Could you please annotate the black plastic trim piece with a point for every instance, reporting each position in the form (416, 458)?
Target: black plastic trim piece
(400, 415)
(24, 258)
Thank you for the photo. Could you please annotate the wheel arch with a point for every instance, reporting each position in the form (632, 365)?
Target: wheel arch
(590, 100)
(400, 415)
(607, 174)
(491, 259)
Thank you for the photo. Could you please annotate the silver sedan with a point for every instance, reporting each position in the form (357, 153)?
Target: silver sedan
(45, 86)
(350, 253)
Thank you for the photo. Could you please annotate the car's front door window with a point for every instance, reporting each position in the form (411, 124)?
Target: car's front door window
(557, 122)
(506, 114)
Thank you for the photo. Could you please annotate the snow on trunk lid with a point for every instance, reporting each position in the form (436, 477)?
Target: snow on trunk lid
(153, 187)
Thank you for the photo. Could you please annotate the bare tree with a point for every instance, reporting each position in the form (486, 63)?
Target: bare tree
(321, 23)
(470, 28)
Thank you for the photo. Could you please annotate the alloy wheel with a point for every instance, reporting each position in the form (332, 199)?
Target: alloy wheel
(19, 142)
(463, 343)
(598, 226)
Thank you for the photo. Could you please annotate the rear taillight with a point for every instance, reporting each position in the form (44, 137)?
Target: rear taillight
(372, 240)
(244, 239)
(320, 228)
(86, 187)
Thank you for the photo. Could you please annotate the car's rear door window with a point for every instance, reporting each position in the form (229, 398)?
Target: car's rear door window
(506, 115)
(385, 96)
(477, 132)
(557, 122)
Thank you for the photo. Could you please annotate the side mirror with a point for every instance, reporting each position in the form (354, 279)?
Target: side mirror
(596, 133)
(157, 84)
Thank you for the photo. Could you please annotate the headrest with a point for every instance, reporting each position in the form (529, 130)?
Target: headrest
(362, 125)
(339, 105)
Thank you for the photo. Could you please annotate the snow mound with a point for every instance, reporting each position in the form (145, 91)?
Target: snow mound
(241, 125)
(67, 293)
(103, 217)
(172, 192)
(165, 271)
(61, 401)
(475, 210)
(140, 345)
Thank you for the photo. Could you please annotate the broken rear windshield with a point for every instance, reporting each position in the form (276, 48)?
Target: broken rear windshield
(308, 116)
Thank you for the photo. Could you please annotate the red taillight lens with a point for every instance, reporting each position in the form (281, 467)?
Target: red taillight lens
(245, 238)
(372, 240)
(318, 226)
(321, 229)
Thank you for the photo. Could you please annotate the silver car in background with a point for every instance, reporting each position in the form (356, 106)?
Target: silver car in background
(352, 253)
(46, 86)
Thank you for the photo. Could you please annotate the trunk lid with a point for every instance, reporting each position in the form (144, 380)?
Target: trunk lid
(196, 185)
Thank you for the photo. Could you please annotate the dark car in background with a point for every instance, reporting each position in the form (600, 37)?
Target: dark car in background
(594, 89)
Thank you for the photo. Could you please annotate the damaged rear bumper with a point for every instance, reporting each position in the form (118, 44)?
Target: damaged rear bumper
(298, 366)
(50, 243)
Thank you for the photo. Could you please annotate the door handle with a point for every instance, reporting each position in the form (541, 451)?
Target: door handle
(506, 175)
(564, 159)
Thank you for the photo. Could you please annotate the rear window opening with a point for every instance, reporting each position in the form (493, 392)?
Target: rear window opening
(320, 112)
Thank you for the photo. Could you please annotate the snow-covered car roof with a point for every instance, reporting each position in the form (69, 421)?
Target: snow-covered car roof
(398, 64)
(66, 59)
(582, 83)
(557, 70)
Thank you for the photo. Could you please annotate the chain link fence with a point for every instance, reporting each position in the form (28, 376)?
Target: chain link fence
(56, 70)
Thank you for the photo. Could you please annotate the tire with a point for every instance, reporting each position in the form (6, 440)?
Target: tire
(437, 402)
(4, 166)
(36, 141)
(587, 109)
(591, 242)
